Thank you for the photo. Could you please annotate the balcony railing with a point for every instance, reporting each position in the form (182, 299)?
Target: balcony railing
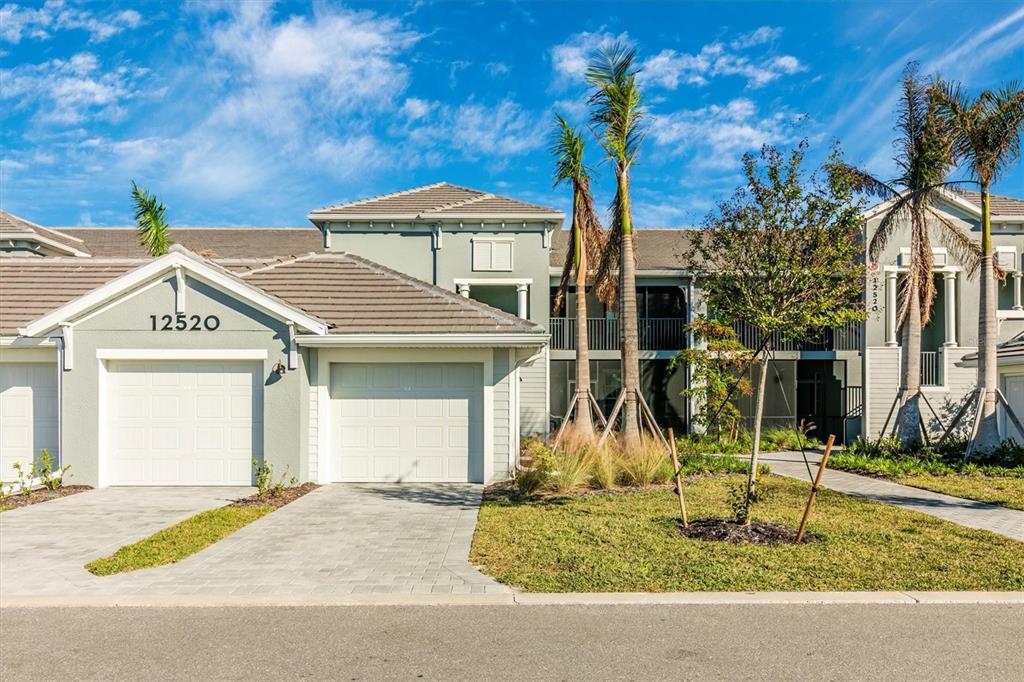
(930, 369)
(656, 333)
(846, 337)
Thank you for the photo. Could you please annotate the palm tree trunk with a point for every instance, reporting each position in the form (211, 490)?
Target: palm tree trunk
(583, 420)
(908, 421)
(762, 385)
(987, 436)
(631, 338)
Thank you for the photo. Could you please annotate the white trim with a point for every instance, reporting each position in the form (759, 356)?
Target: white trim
(181, 354)
(184, 259)
(52, 243)
(179, 290)
(102, 386)
(293, 348)
(423, 340)
(495, 281)
(30, 342)
(67, 347)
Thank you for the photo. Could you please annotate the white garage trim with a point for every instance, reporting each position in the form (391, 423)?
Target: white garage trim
(326, 357)
(181, 354)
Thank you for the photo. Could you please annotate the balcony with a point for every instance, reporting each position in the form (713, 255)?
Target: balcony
(846, 337)
(656, 333)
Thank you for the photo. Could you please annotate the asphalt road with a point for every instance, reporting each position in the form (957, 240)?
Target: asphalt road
(734, 642)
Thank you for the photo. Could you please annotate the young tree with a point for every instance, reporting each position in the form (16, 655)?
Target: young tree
(924, 159)
(580, 258)
(988, 137)
(782, 255)
(616, 114)
(151, 221)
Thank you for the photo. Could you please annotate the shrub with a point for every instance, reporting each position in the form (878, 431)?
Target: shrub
(605, 467)
(529, 481)
(775, 439)
(646, 465)
(572, 468)
(265, 483)
(41, 469)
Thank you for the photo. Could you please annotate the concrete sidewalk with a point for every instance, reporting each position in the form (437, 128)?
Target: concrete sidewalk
(1001, 520)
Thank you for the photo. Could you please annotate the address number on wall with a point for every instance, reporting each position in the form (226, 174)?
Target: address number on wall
(182, 322)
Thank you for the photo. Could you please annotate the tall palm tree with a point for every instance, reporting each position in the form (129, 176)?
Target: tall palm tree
(924, 158)
(616, 115)
(587, 241)
(988, 137)
(151, 221)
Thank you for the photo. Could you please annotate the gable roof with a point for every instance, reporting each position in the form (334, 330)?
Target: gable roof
(209, 242)
(177, 258)
(656, 248)
(14, 227)
(357, 296)
(441, 200)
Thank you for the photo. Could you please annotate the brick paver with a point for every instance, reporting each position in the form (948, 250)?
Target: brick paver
(1008, 522)
(337, 540)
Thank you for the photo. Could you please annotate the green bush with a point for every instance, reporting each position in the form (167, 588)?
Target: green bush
(885, 458)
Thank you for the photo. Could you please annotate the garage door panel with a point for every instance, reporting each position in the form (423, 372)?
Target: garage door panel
(28, 414)
(406, 422)
(184, 423)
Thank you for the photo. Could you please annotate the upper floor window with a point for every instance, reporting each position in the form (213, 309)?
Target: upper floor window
(492, 254)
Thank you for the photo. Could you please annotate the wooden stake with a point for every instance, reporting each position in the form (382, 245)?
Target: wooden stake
(652, 424)
(968, 401)
(679, 480)
(1009, 411)
(565, 420)
(814, 488)
(611, 417)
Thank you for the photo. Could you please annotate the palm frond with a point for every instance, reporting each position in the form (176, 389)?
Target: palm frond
(616, 103)
(151, 221)
(965, 250)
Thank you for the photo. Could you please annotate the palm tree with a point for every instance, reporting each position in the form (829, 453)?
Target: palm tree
(616, 115)
(587, 241)
(153, 230)
(987, 135)
(924, 158)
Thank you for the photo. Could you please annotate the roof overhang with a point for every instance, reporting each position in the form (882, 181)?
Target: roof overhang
(319, 219)
(495, 340)
(950, 198)
(195, 266)
(51, 244)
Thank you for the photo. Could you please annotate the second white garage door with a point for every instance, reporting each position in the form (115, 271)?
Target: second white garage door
(180, 423)
(407, 422)
(28, 415)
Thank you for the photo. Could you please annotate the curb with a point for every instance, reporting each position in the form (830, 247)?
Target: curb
(517, 599)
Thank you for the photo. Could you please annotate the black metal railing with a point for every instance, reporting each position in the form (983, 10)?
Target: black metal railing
(656, 333)
(846, 337)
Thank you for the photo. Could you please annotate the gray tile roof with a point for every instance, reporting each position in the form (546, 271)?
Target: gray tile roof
(209, 242)
(356, 296)
(441, 200)
(998, 204)
(656, 248)
(14, 225)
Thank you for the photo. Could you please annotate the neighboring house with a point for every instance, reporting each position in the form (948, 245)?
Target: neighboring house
(406, 337)
(1010, 360)
(952, 334)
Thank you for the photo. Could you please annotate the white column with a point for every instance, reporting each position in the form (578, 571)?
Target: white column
(890, 307)
(463, 289)
(949, 280)
(1016, 291)
(521, 291)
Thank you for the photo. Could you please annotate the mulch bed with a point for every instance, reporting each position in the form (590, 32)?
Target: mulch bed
(507, 491)
(43, 495)
(727, 530)
(268, 499)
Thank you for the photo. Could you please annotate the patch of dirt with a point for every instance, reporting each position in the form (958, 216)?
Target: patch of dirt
(269, 499)
(43, 495)
(727, 530)
(507, 491)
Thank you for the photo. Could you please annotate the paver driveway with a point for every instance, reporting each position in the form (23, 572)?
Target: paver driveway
(337, 540)
(44, 547)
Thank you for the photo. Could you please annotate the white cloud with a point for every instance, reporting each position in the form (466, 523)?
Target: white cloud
(717, 135)
(351, 156)
(17, 22)
(759, 36)
(495, 69)
(415, 108)
(504, 130)
(669, 68)
(69, 91)
(569, 59)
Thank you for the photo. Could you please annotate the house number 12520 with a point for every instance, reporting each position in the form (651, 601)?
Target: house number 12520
(182, 322)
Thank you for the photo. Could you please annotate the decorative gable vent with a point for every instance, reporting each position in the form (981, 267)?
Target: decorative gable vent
(940, 257)
(492, 255)
(1006, 258)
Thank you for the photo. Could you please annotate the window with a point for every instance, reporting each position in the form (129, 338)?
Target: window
(660, 302)
(492, 255)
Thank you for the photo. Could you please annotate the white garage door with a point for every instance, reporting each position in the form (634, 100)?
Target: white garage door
(407, 422)
(180, 423)
(28, 415)
(1015, 396)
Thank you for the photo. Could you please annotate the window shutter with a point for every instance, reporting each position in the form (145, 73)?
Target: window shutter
(482, 255)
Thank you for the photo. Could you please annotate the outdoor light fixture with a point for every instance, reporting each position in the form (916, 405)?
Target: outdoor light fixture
(280, 369)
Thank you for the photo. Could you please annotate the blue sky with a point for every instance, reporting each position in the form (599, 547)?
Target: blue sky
(255, 113)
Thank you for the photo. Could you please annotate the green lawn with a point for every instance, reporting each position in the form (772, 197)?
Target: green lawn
(178, 541)
(1007, 491)
(627, 542)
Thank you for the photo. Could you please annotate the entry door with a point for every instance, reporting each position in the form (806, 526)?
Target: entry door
(28, 415)
(181, 423)
(407, 422)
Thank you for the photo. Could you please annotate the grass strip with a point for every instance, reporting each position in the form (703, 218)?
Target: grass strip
(179, 541)
(630, 543)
